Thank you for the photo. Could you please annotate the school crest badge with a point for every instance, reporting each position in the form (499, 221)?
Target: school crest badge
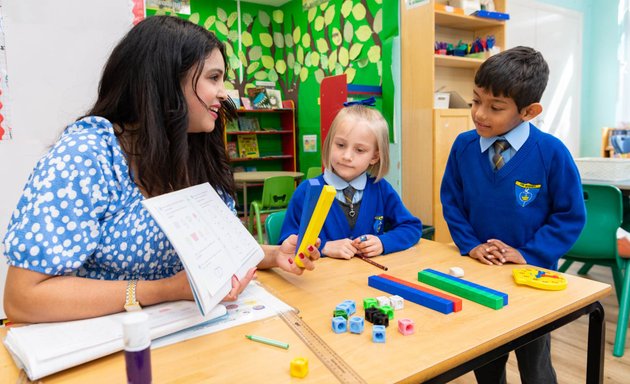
(378, 225)
(526, 192)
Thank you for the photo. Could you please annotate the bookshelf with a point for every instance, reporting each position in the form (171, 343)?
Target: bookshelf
(428, 132)
(275, 136)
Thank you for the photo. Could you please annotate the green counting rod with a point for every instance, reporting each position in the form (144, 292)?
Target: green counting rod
(459, 289)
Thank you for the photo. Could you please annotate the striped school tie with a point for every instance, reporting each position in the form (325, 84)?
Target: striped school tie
(497, 160)
(348, 194)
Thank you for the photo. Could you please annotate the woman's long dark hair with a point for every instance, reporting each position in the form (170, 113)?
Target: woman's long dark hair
(141, 92)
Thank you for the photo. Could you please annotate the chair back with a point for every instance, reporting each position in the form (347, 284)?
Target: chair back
(277, 191)
(313, 172)
(273, 226)
(598, 239)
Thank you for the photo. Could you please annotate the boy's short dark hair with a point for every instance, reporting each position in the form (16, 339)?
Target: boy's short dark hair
(520, 73)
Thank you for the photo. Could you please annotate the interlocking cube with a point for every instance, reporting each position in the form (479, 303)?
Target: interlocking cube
(340, 312)
(299, 367)
(369, 302)
(382, 300)
(388, 310)
(397, 302)
(339, 324)
(378, 333)
(356, 324)
(370, 312)
(352, 306)
(406, 327)
(380, 319)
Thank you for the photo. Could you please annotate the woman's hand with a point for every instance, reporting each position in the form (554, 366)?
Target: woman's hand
(340, 249)
(238, 286)
(282, 256)
(368, 245)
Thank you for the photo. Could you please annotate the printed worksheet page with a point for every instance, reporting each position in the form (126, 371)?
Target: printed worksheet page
(210, 240)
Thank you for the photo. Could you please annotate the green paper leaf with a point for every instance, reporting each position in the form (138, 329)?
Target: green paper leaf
(278, 16)
(268, 61)
(263, 18)
(358, 12)
(363, 33)
(255, 53)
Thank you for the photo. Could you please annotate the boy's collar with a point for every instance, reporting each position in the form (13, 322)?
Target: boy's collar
(339, 184)
(516, 137)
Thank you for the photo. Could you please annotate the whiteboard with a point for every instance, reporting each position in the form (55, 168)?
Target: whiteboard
(55, 52)
(557, 33)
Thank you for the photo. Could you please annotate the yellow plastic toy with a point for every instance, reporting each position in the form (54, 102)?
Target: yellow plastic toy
(299, 367)
(539, 278)
(315, 224)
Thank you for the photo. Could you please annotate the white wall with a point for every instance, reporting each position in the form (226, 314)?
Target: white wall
(55, 52)
(557, 33)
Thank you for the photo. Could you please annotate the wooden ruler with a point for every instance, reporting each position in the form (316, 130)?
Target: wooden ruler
(323, 351)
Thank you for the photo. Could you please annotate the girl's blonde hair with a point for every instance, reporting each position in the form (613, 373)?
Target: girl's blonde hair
(377, 125)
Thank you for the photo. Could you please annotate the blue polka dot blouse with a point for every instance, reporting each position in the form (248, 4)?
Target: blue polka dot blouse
(81, 213)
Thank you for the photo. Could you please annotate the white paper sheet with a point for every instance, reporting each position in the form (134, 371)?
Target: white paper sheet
(211, 242)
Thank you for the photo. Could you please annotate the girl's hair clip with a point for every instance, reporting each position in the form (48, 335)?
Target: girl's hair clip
(370, 102)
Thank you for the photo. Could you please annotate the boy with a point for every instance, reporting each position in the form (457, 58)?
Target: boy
(511, 193)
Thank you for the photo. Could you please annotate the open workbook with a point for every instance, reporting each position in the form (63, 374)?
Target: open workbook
(47, 348)
(212, 244)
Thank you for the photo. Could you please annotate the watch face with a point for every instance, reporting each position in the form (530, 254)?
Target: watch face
(132, 307)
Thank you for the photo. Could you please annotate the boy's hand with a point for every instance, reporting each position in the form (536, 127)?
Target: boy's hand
(487, 254)
(510, 255)
(368, 245)
(340, 249)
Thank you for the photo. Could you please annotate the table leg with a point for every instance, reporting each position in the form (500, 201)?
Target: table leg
(245, 204)
(595, 349)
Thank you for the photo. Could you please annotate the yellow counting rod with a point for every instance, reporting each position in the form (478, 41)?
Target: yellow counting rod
(315, 224)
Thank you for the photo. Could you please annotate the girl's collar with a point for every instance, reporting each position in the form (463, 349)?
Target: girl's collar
(339, 184)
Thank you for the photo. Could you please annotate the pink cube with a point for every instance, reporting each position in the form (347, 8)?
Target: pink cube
(405, 326)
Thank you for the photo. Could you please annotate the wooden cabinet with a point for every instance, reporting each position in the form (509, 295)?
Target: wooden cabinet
(428, 133)
(274, 136)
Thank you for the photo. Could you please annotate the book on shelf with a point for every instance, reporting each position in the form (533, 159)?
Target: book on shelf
(248, 123)
(275, 98)
(46, 348)
(234, 95)
(258, 98)
(232, 150)
(231, 126)
(248, 146)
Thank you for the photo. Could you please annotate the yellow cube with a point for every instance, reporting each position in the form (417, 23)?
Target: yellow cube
(299, 367)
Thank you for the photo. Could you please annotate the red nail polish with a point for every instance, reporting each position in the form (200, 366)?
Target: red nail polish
(311, 248)
(290, 261)
(301, 255)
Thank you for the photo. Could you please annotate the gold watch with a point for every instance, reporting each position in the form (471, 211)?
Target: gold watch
(131, 304)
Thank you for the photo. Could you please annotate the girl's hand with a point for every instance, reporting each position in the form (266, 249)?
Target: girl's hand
(340, 249)
(286, 253)
(510, 255)
(368, 245)
(239, 285)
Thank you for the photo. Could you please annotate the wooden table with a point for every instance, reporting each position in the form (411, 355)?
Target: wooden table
(257, 177)
(443, 347)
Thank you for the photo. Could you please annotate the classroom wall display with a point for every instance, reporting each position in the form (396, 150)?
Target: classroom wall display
(5, 127)
(295, 48)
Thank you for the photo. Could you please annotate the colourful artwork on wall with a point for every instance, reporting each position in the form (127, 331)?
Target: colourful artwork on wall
(5, 123)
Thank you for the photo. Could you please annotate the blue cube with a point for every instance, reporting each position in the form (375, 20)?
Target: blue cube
(356, 324)
(378, 333)
(339, 324)
(352, 306)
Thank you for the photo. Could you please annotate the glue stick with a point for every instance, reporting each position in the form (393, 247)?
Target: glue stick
(137, 348)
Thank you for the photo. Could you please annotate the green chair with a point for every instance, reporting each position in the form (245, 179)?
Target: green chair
(313, 172)
(597, 245)
(277, 191)
(273, 226)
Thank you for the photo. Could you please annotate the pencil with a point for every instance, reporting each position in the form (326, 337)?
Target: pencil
(374, 263)
(267, 341)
